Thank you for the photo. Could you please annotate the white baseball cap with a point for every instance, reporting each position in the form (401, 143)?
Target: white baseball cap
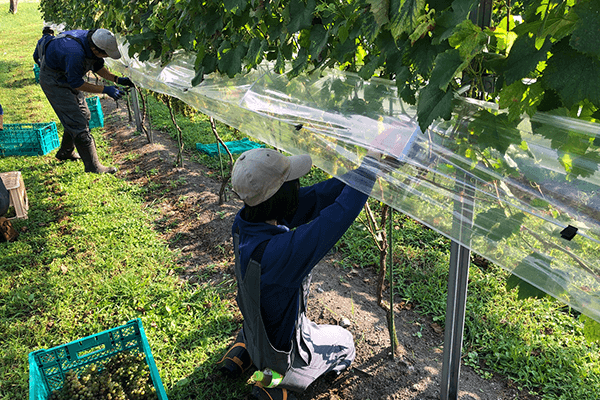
(105, 41)
(259, 173)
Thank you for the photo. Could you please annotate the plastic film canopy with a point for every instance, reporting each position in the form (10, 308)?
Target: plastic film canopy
(522, 194)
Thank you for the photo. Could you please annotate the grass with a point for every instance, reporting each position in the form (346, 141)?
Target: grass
(90, 258)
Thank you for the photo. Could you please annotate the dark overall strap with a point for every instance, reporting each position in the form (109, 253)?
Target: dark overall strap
(263, 354)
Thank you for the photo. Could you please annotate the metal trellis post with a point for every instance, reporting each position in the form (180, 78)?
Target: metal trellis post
(457, 291)
(136, 109)
(460, 258)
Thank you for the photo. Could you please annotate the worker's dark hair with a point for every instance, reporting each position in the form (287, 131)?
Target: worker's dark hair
(93, 45)
(281, 206)
(47, 31)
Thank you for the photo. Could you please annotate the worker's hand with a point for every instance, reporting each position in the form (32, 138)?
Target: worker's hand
(125, 81)
(113, 92)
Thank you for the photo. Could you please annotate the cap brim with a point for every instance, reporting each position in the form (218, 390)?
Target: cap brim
(300, 165)
(114, 54)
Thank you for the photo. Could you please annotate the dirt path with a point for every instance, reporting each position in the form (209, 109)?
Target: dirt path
(200, 229)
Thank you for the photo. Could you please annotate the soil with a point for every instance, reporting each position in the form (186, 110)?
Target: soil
(196, 225)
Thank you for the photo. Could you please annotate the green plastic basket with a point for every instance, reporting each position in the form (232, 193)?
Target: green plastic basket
(97, 117)
(235, 147)
(47, 367)
(28, 139)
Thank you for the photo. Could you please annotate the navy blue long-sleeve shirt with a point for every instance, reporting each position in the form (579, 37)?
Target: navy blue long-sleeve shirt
(291, 254)
(69, 55)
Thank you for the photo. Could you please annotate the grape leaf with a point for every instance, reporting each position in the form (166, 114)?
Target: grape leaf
(235, 5)
(230, 61)
(494, 131)
(439, 5)
(199, 77)
(318, 40)
(556, 24)
(433, 103)
(586, 36)
(299, 63)
(520, 98)
(469, 39)
(256, 50)
(524, 58)
(380, 10)
(405, 18)
(423, 55)
(367, 71)
(445, 67)
(573, 75)
(301, 15)
(450, 19)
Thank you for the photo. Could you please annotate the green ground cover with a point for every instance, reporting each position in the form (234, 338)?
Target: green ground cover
(89, 259)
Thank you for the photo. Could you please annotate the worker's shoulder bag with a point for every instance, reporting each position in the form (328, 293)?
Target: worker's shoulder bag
(7, 232)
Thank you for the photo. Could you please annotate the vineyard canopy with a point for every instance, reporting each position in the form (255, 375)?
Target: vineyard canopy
(533, 184)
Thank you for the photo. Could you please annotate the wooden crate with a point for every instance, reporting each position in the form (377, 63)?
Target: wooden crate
(18, 195)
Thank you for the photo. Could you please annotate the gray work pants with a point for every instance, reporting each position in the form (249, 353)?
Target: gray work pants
(69, 104)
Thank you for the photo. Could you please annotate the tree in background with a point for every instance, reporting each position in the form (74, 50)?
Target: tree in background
(13, 6)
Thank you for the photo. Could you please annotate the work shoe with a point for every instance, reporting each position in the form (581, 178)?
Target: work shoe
(237, 359)
(87, 150)
(67, 149)
(62, 155)
(262, 393)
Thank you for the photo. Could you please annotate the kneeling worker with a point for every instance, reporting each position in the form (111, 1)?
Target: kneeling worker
(279, 236)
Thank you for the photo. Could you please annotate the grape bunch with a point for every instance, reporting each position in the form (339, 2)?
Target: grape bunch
(125, 377)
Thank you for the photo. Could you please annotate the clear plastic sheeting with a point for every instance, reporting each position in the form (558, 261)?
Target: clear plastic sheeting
(512, 194)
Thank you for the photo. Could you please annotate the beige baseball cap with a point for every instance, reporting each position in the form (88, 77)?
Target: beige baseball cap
(105, 41)
(259, 173)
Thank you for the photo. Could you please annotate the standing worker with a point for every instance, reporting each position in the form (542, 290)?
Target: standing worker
(64, 61)
(47, 34)
(1, 118)
(279, 236)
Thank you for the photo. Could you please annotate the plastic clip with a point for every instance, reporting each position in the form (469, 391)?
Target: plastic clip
(569, 232)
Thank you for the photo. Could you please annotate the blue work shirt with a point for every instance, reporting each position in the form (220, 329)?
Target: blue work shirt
(290, 255)
(67, 55)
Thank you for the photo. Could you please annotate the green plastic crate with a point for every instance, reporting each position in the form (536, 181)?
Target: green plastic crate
(97, 117)
(28, 139)
(47, 367)
(236, 147)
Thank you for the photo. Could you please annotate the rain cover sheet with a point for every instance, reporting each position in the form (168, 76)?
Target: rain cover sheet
(515, 195)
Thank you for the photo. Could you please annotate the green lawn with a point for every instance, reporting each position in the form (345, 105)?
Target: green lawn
(88, 259)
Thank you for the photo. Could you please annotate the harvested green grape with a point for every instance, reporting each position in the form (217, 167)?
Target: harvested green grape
(125, 377)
